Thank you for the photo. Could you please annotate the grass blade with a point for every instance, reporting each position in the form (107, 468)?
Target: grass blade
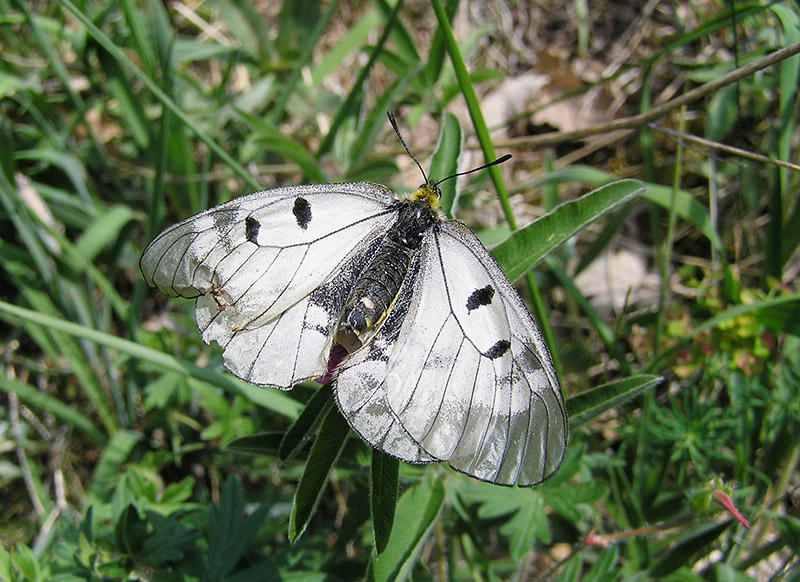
(271, 399)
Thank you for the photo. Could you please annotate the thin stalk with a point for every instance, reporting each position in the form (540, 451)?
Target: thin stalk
(485, 141)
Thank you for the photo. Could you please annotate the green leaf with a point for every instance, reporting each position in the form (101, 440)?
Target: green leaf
(348, 108)
(384, 480)
(603, 569)
(229, 530)
(104, 231)
(720, 319)
(329, 444)
(308, 419)
(130, 531)
(114, 455)
(351, 43)
(400, 37)
(33, 397)
(127, 103)
(527, 526)
(377, 118)
(261, 444)
(103, 40)
(436, 53)
(171, 540)
(275, 140)
(7, 573)
(445, 161)
(527, 246)
(179, 492)
(784, 318)
(690, 545)
(26, 561)
(589, 404)
(271, 399)
(686, 207)
(419, 506)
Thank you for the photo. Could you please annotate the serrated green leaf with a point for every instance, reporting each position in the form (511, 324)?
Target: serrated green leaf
(171, 540)
(527, 526)
(229, 531)
(130, 530)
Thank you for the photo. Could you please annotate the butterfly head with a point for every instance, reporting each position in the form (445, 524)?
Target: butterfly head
(428, 194)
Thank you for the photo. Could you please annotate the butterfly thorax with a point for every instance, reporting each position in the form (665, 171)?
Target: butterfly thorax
(373, 295)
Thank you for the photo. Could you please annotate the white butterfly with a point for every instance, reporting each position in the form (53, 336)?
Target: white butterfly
(442, 361)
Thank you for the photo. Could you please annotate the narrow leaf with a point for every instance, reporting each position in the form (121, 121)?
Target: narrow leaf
(278, 142)
(527, 246)
(270, 399)
(419, 507)
(36, 398)
(692, 544)
(445, 160)
(329, 444)
(589, 404)
(308, 419)
(266, 443)
(384, 482)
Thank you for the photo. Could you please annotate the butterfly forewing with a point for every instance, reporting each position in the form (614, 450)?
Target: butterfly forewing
(255, 258)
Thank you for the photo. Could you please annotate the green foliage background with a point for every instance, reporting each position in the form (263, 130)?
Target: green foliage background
(129, 453)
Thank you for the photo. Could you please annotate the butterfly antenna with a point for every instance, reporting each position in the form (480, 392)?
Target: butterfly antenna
(402, 141)
(499, 160)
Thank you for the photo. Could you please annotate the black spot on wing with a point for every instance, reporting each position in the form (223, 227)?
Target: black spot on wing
(479, 297)
(302, 212)
(498, 349)
(251, 228)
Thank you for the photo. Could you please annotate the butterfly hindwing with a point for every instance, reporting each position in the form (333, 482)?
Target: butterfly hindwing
(462, 373)
(294, 345)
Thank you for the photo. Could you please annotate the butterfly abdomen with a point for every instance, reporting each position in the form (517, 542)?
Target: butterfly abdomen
(373, 295)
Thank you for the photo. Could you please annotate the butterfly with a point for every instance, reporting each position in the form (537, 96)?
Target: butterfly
(433, 353)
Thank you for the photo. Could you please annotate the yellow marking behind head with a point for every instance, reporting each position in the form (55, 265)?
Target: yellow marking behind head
(428, 193)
